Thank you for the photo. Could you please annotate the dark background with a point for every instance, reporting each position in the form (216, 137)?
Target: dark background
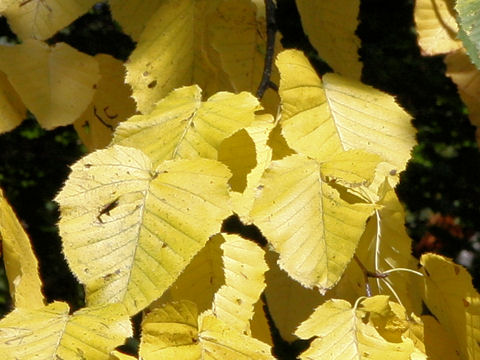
(439, 187)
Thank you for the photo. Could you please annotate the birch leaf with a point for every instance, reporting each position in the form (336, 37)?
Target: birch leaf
(331, 28)
(244, 268)
(40, 19)
(313, 229)
(247, 155)
(12, 109)
(21, 265)
(117, 355)
(341, 334)
(133, 15)
(130, 229)
(439, 344)
(51, 333)
(284, 294)
(182, 126)
(111, 104)
(467, 78)
(56, 87)
(322, 118)
(436, 26)
(452, 299)
(469, 28)
(202, 278)
(175, 332)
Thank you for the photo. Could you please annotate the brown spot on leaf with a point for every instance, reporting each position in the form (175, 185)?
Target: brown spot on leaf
(457, 270)
(152, 84)
(466, 303)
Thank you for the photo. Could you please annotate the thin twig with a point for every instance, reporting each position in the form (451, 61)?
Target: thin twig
(271, 31)
(369, 274)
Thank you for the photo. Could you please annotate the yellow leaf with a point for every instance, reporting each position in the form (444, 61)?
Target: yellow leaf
(182, 126)
(278, 144)
(244, 267)
(171, 332)
(130, 229)
(341, 334)
(330, 27)
(436, 26)
(259, 324)
(133, 15)
(439, 344)
(174, 332)
(238, 32)
(220, 341)
(117, 355)
(202, 278)
(51, 333)
(12, 110)
(57, 86)
(216, 44)
(111, 104)
(309, 225)
(20, 262)
(386, 245)
(450, 296)
(322, 118)
(40, 19)
(248, 146)
(467, 78)
(289, 303)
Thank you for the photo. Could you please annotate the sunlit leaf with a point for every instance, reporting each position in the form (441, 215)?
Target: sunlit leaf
(469, 28)
(313, 229)
(20, 262)
(56, 87)
(111, 104)
(467, 78)
(284, 294)
(133, 15)
(247, 155)
(341, 334)
(331, 26)
(244, 267)
(12, 110)
(40, 19)
(117, 355)
(436, 26)
(323, 117)
(452, 299)
(174, 332)
(439, 344)
(182, 126)
(129, 229)
(51, 333)
(202, 278)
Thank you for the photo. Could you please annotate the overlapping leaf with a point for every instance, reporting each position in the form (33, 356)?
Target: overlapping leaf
(244, 268)
(313, 229)
(129, 228)
(452, 299)
(436, 26)
(284, 294)
(20, 262)
(12, 110)
(56, 87)
(467, 78)
(111, 104)
(40, 19)
(211, 43)
(324, 117)
(331, 26)
(175, 331)
(51, 333)
(469, 28)
(182, 126)
(341, 334)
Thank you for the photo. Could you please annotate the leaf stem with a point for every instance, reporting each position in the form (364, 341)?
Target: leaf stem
(271, 31)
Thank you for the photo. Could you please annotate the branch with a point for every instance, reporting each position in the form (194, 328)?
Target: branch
(271, 31)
